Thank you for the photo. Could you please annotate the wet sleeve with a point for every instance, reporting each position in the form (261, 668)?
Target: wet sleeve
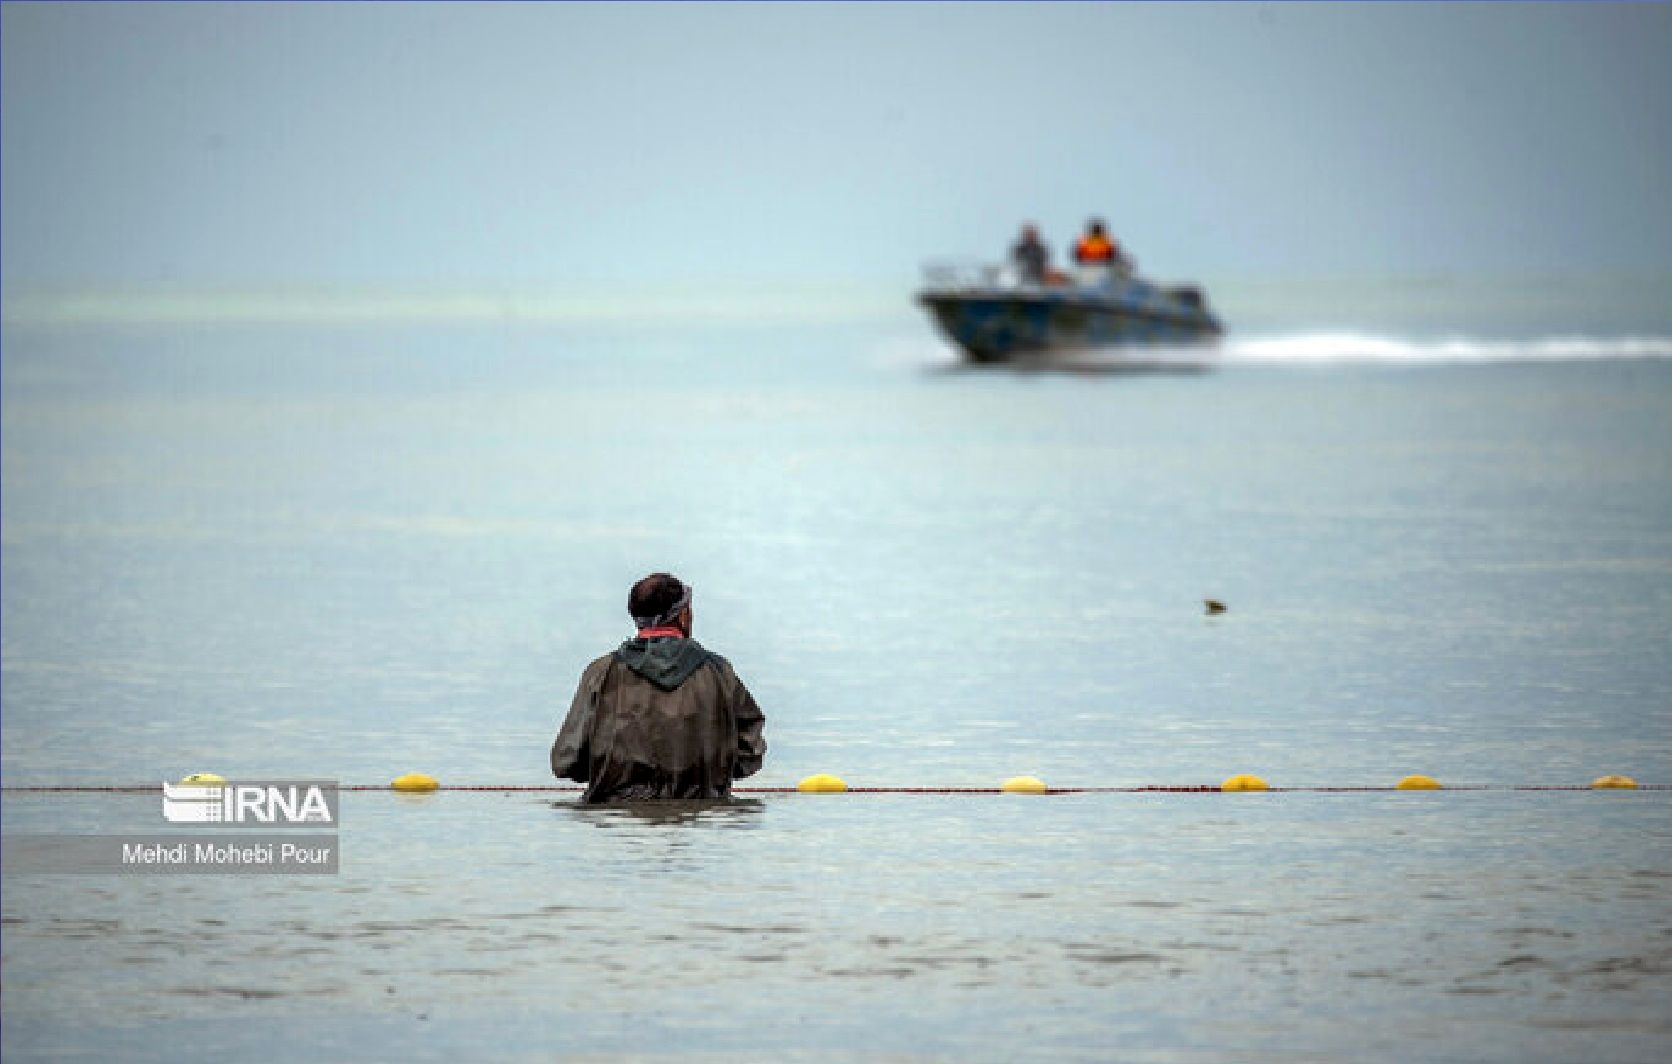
(751, 725)
(570, 752)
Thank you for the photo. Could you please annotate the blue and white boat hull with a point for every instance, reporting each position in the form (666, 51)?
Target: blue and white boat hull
(995, 323)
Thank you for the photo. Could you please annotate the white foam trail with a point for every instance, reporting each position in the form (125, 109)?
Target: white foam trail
(1359, 347)
(1302, 349)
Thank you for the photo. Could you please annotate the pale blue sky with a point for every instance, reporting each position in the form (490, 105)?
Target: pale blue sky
(253, 144)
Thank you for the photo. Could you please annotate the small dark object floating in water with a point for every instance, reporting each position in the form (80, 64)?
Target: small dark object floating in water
(995, 318)
(1214, 606)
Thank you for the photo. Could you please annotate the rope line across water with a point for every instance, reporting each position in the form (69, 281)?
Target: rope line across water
(514, 788)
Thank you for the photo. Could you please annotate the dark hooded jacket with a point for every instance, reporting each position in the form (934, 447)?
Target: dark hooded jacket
(659, 718)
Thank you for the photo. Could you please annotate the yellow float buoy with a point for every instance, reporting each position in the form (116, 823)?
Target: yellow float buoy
(1614, 783)
(1243, 781)
(414, 783)
(821, 783)
(1419, 783)
(1024, 785)
(203, 779)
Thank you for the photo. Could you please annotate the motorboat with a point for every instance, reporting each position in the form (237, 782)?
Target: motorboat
(995, 316)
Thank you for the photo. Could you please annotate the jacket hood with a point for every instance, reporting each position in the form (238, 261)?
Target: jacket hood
(665, 662)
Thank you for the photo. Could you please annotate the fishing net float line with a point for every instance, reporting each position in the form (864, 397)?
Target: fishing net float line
(419, 783)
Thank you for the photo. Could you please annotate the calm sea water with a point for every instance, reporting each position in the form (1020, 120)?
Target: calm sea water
(353, 552)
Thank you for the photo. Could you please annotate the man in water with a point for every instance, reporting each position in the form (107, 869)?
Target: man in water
(659, 717)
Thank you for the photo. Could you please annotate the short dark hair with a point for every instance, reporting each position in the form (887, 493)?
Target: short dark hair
(654, 595)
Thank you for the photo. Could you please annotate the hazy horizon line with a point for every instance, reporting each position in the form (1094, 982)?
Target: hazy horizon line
(782, 301)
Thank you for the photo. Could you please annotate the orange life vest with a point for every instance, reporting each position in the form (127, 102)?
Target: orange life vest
(1094, 249)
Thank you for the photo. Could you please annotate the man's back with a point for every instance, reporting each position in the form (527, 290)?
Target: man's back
(660, 717)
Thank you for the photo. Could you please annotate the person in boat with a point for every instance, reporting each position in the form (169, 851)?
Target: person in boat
(661, 716)
(1031, 256)
(1097, 248)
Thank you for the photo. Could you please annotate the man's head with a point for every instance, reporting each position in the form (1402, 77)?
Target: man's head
(1095, 227)
(660, 600)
